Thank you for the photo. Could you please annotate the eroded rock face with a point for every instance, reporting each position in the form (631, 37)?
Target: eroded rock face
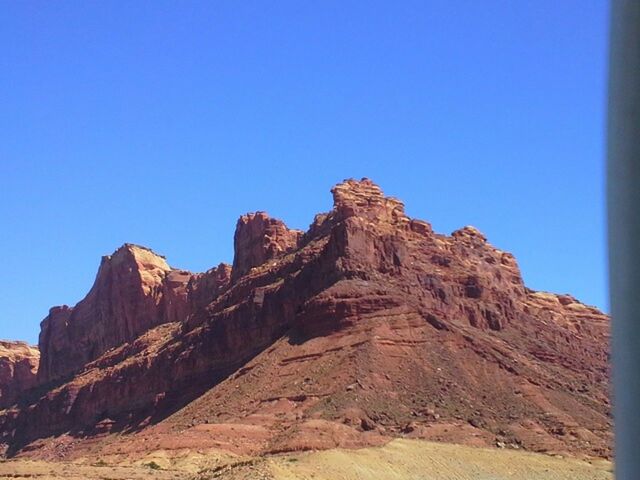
(134, 290)
(18, 369)
(367, 327)
(204, 288)
(364, 199)
(259, 238)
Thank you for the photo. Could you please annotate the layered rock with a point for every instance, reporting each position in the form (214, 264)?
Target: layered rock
(259, 238)
(369, 326)
(18, 369)
(205, 287)
(134, 290)
(365, 199)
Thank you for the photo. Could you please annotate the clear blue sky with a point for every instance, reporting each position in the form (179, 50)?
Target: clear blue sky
(159, 123)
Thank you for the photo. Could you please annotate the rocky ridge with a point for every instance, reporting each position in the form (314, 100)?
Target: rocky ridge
(366, 327)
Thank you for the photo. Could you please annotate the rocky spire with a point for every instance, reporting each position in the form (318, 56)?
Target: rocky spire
(259, 238)
(363, 198)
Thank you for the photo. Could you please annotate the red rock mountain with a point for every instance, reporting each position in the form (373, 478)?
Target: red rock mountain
(366, 327)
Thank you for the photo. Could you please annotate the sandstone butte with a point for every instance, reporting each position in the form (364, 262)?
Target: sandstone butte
(367, 327)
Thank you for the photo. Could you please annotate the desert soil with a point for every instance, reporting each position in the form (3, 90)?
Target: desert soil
(401, 459)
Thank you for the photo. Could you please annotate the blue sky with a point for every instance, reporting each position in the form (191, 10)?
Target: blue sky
(159, 123)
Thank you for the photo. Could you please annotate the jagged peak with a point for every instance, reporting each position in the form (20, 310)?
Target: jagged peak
(258, 238)
(258, 215)
(364, 198)
(469, 232)
(221, 267)
(148, 265)
(350, 187)
(143, 256)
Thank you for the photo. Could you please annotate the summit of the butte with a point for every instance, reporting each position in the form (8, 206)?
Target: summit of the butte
(366, 327)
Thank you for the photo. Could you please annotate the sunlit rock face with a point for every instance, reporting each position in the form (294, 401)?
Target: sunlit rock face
(135, 289)
(18, 369)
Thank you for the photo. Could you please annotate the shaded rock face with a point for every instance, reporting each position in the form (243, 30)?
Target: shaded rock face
(205, 287)
(18, 368)
(369, 322)
(134, 290)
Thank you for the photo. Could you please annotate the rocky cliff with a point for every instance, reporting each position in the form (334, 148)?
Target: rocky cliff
(18, 369)
(259, 238)
(134, 290)
(366, 327)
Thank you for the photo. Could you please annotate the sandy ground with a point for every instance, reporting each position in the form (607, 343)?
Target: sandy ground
(400, 459)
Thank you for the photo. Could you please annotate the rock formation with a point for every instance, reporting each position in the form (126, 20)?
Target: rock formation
(18, 368)
(259, 238)
(134, 290)
(366, 327)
